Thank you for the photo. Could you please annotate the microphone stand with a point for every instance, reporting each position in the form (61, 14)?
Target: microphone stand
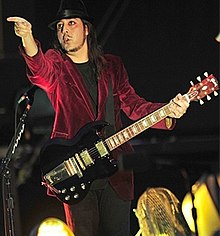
(5, 173)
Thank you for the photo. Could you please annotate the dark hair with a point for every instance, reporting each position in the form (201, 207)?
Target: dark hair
(94, 49)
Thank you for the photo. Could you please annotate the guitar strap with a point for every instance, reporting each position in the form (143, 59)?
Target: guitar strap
(110, 114)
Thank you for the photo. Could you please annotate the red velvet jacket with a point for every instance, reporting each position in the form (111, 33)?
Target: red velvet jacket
(59, 77)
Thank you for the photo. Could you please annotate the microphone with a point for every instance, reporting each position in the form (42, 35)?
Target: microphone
(29, 95)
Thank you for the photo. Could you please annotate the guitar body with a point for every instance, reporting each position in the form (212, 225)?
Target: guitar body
(84, 163)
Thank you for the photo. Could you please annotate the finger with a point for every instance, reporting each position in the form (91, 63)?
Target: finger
(22, 25)
(16, 19)
(177, 110)
(178, 97)
(176, 102)
(181, 101)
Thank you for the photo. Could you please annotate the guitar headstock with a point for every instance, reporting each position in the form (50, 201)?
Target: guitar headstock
(202, 89)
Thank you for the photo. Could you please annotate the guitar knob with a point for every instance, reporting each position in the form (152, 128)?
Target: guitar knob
(63, 190)
(73, 188)
(83, 186)
(76, 195)
(67, 198)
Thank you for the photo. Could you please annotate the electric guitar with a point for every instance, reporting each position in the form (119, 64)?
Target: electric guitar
(70, 166)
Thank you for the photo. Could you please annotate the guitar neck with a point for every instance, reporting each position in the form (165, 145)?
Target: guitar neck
(143, 124)
(138, 127)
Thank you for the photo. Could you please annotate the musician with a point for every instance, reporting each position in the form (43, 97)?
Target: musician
(77, 77)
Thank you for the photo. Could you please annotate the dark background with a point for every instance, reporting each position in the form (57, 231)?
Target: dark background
(164, 45)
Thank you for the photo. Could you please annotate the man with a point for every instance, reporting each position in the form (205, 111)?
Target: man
(78, 78)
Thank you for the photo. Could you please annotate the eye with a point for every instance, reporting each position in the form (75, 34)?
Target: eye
(59, 26)
(71, 22)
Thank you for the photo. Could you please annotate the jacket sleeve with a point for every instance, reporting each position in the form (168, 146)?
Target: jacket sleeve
(134, 106)
(43, 68)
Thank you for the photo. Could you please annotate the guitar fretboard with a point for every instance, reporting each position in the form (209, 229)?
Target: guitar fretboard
(138, 127)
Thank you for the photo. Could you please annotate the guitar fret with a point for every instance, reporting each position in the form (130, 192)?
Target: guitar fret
(149, 121)
(129, 132)
(140, 127)
(145, 123)
(121, 138)
(112, 143)
(167, 110)
(125, 135)
(162, 113)
(116, 140)
(158, 117)
(153, 118)
(134, 129)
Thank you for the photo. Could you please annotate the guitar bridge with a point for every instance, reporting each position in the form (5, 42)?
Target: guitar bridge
(56, 175)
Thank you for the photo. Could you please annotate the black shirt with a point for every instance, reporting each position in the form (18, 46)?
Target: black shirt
(90, 81)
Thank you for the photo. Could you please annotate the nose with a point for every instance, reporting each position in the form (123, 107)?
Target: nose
(64, 29)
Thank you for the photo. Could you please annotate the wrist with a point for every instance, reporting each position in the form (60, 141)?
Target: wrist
(29, 45)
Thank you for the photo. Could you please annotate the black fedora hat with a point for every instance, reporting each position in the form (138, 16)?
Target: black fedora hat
(70, 9)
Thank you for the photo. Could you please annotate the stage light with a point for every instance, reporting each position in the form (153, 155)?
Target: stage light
(54, 227)
(206, 202)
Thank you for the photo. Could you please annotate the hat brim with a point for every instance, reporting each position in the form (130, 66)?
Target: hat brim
(67, 15)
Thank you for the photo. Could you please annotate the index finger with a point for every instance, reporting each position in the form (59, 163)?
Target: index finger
(15, 19)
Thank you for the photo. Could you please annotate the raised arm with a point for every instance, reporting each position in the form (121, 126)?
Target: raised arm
(23, 29)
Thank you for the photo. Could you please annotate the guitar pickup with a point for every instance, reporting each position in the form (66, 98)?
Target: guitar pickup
(86, 158)
(101, 149)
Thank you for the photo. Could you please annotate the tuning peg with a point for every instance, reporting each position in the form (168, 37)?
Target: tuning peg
(208, 97)
(199, 78)
(191, 82)
(201, 102)
(206, 74)
(215, 93)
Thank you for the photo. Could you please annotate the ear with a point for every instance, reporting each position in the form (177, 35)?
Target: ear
(86, 29)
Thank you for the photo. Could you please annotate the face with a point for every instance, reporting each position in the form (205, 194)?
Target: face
(72, 34)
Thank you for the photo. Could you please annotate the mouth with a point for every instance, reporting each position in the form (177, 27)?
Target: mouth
(66, 38)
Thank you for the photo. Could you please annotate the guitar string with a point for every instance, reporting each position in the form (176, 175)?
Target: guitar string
(130, 132)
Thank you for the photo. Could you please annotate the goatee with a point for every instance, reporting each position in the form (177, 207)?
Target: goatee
(78, 47)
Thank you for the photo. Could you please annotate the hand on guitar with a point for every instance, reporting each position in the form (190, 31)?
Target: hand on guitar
(178, 106)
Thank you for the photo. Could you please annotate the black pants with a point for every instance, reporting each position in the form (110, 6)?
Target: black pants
(102, 212)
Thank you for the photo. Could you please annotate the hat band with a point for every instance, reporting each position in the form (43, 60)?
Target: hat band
(71, 13)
